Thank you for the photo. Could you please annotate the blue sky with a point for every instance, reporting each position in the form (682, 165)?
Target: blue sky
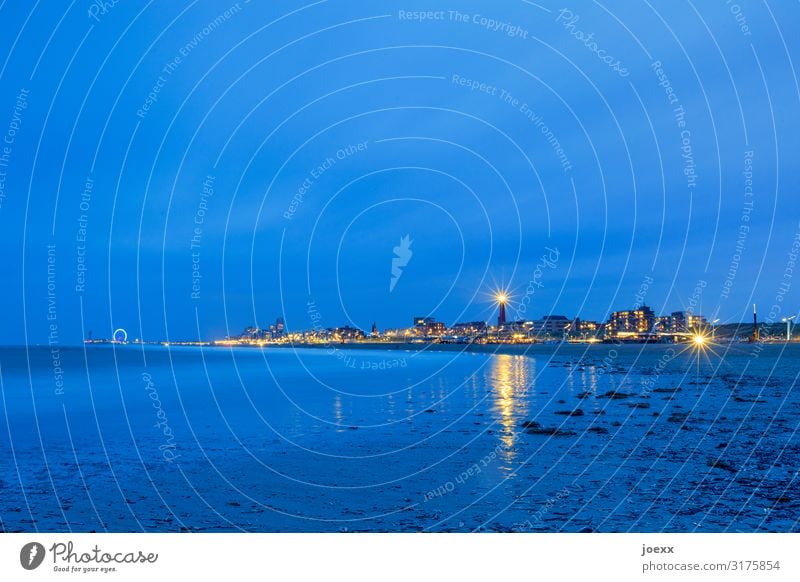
(459, 118)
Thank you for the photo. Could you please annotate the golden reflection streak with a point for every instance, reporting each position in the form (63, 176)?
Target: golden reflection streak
(508, 378)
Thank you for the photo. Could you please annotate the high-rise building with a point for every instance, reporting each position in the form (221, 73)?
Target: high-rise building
(631, 322)
(680, 322)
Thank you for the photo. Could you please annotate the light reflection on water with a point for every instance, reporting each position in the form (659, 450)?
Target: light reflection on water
(513, 383)
(714, 453)
(509, 376)
(338, 415)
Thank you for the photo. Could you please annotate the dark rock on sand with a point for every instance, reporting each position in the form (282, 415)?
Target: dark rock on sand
(597, 429)
(720, 464)
(532, 427)
(576, 412)
(616, 395)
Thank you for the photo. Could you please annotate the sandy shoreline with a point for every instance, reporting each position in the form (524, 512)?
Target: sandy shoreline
(510, 349)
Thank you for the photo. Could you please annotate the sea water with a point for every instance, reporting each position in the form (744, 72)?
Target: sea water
(562, 438)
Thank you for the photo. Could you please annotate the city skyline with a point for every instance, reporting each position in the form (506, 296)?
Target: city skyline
(636, 323)
(511, 309)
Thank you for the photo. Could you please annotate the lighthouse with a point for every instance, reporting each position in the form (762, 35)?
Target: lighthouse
(502, 299)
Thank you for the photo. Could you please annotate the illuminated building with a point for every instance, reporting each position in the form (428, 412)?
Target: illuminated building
(469, 328)
(584, 329)
(347, 333)
(550, 326)
(428, 326)
(680, 322)
(399, 334)
(633, 322)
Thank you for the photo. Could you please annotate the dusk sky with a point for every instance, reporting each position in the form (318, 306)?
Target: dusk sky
(298, 143)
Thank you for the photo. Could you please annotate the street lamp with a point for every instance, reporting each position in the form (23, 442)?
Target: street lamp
(713, 329)
(788, 321)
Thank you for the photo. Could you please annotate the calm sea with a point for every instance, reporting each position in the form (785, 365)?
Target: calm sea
(564, 438)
